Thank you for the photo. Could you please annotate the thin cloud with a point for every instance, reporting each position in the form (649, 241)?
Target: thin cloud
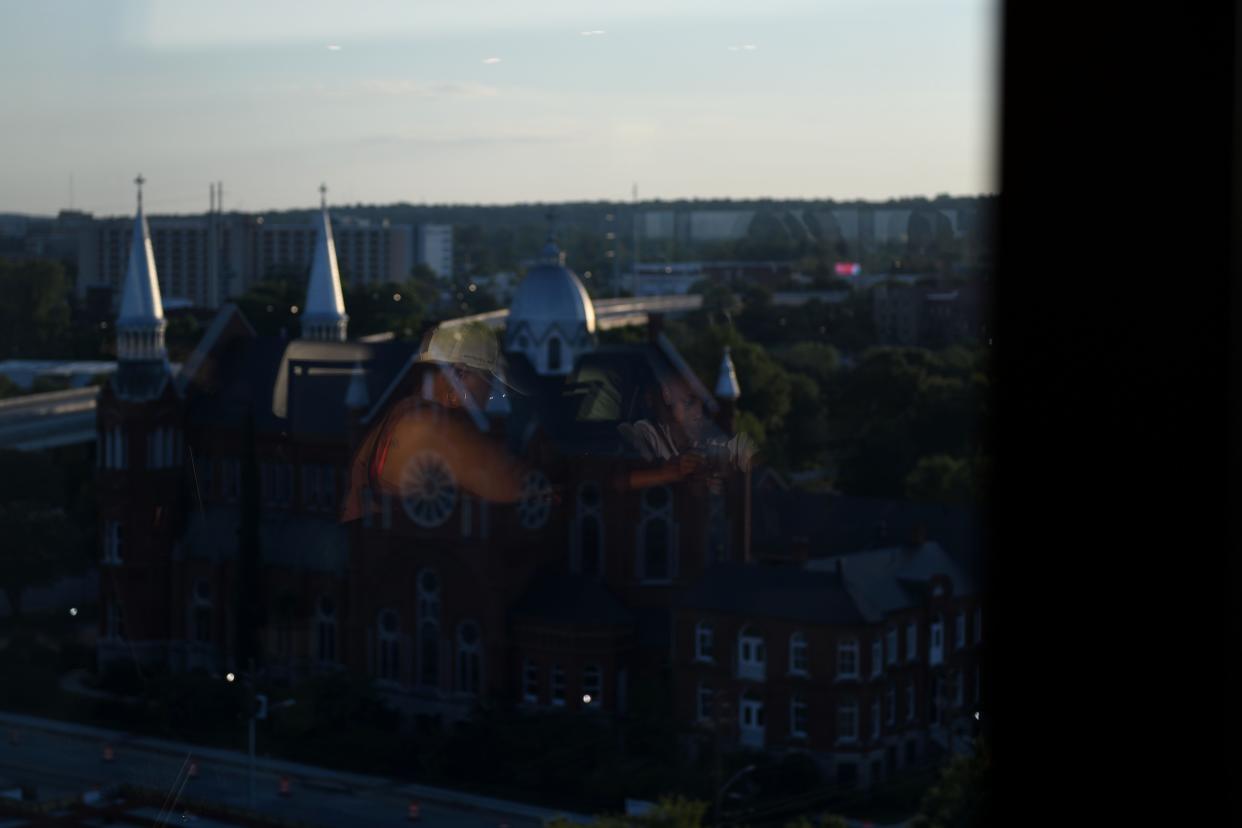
(748, 47)
(491, 60)
(420, 89)
(592, 33)
(332, 47)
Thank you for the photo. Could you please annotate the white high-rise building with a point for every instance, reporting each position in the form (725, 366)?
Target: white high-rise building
(435, 248)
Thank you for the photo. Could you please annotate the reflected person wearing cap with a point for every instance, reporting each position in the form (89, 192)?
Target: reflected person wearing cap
(440, 425)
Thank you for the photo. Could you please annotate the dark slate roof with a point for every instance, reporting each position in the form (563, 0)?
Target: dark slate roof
(141, 380)
(895, 578)
(294, 386)
(768, 591)
(835, 524)
(564, 598)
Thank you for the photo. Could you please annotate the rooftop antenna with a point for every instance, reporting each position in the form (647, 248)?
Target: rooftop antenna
(70, 191)
(140, 181)
(219, 196)
(323, 196)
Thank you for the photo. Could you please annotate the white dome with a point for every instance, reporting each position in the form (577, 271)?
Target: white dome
(551, 318)
(552, 294)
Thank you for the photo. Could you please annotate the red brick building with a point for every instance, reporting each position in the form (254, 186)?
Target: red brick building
(444, 597)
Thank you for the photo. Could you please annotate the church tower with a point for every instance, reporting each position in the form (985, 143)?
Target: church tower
(324, 318)
(139, 422)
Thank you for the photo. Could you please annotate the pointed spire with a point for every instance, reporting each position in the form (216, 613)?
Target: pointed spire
(726, 386)
(140, 322)
(356, 397)
(324, 317)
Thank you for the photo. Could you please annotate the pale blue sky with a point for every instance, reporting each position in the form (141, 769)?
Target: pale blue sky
(404, 100)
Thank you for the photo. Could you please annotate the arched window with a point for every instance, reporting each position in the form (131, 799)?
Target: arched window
(798, 661)
(936, 648)
(590, 530)
(468, 658)
(389, 646)
(752, 657)
(847, 658)
(657, 559)
(325, 612)
(703, 641)
(429, 628)
(554, 354)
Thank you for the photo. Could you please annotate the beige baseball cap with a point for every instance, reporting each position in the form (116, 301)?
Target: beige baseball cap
(472, 344)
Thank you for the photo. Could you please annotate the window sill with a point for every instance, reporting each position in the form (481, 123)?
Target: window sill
(843, 679)
(797, 674)
(698, 659)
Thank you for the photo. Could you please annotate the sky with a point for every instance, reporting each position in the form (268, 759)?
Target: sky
(492, 101)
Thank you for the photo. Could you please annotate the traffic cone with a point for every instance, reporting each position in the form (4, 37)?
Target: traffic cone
(284, 786)
(108, 755)
(192, 773)
(413, 811)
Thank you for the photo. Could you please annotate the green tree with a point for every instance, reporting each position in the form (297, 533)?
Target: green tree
(940, 478)
(961, 796)
(40, 546)
(34, 309)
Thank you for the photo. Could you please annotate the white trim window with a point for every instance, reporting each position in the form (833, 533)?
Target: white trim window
(978, 625)
(875, 719)
(750, 716)
(704, 701)
(703, 641)
(890, 646)
(847, 659)
(891, 700)
(936, 648)
(751, 655)
(910, 702)
(530, 681)
(592, 687)
(959, 631)
(847, 722)
(558, 685)
(912, 641)
(877, 657)
(114, 543)
(797, 717)
(799, 660)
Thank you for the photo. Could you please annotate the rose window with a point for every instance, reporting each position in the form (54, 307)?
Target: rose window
(536, 502)
(428, 488)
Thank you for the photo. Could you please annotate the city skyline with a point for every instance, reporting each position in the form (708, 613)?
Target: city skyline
(423, 104)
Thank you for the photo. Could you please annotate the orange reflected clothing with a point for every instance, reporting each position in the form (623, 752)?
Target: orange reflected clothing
(477, 462)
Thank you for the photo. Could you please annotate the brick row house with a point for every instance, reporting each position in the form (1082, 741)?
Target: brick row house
(557, 597)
